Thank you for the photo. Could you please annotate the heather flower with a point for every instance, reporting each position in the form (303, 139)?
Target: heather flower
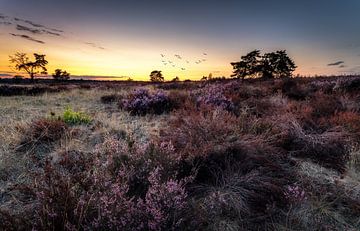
(214, 95)
(141, 102)
(295, 194)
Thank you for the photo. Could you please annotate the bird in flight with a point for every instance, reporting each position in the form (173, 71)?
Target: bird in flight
(204, 54)
(183, 69)
(162, 55)
(178, 56)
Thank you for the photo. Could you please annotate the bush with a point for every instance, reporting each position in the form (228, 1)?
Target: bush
(121, 186)
(73, 118)
(214, 95)
(196, 132)
(107, 99)
(142, 102)
(44, 130)
(325, 105)
(329, 149)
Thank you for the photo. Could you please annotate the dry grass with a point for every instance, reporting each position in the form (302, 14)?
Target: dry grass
(285, 158)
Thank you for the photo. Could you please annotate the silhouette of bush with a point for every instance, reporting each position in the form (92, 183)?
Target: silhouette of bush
(142, 101)
(61, 75)
(15, 90)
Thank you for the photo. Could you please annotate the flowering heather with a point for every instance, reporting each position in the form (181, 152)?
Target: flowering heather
(141, 102)
(278, 154)
(295, 193)
(214, 95)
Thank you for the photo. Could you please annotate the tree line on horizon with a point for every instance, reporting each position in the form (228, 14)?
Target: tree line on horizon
(252, 65)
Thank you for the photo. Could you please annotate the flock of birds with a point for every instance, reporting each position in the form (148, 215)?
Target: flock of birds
(179, 58)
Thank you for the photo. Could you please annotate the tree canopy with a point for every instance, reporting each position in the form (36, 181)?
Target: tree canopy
(156, 76)
(22, 62)
(61, 75)
(270, 65)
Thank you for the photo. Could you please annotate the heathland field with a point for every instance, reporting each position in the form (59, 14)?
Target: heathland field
(281, 154)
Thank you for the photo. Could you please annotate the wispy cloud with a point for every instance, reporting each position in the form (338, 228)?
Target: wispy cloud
(26, 28)
(95, 45)
(37, 25)
(35, 31)
(336, 63)
(5, 23)
(31, 30)
(27, 38)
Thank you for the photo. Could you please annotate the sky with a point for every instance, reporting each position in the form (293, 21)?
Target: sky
(187, 38)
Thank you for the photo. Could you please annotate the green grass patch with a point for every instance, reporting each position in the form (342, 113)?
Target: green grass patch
(75, 118)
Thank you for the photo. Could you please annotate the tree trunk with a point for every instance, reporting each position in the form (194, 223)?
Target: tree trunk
(32, 77)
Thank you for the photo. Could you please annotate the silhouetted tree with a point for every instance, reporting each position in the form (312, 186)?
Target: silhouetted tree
(156, 76)
(276, 65)
(176, 79)
(248, 66)
(22, 62)
(270, 65)
(61, 75)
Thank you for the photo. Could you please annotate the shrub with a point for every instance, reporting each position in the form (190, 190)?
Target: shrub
(196, 132)
(121, 186)
(348, 84)
(349, 120)
(213, 95)
(44, 130)
(142, 102)
(107, 99)
(325, 105)
(329, 149)
(291, 88)
(73, 118)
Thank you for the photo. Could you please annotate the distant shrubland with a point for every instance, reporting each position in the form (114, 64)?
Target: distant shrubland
(273, 154)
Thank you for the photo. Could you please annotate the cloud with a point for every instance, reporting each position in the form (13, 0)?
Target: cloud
(35, 31)
(27, 38)
(5, 23)
(24, 28)
(40, 26)
(95, 45)
(336, 63)
(5, 75)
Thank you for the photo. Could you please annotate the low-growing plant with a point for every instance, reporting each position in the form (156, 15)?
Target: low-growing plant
(44, 130)
(107, 99)
(141, 102)
(74, 118)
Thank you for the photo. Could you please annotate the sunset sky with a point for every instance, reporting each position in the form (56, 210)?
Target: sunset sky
(128, 38)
